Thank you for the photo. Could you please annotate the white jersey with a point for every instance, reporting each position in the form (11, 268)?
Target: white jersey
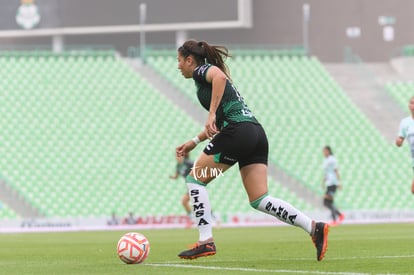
(407, 132)
(329, 167)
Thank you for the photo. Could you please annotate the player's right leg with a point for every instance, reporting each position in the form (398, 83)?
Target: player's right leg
(341, 216)
(254, 178)
(205, 170)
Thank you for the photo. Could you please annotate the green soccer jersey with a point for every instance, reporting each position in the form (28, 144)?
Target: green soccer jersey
(184, 168)
(232, 108)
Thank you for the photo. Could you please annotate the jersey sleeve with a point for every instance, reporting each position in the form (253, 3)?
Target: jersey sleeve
(401, 130)
(331, 163)
(334, 164)
(200, 73)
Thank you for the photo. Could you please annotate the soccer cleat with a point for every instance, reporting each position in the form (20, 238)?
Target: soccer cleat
(199, 250)
(341, 218)
(333, 223)
(320, 239)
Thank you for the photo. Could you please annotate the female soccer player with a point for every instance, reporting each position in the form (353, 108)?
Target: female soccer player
(331, 182)
(183, 168)
(406, 131)
(235, 136)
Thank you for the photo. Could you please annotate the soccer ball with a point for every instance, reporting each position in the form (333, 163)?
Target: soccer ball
(133, 248)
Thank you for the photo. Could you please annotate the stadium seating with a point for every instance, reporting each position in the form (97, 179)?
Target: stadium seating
(302, 109)
(6, 212)
(408, 50)
(401, 92)
(84, 135)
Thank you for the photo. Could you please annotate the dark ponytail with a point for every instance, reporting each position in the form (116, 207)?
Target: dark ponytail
(203, 52)
(329, 149)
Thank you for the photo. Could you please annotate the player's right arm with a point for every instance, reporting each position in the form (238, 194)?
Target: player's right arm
(339, 185)
(191, 144)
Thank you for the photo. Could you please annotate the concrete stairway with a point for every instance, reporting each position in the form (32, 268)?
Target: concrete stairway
(364, 83)
(16, 202)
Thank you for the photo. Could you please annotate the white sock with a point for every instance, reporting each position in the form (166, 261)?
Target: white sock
(201, 208)
(285, 212)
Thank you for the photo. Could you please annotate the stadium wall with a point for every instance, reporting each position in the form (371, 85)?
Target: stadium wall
(275, 22)
(253, 219)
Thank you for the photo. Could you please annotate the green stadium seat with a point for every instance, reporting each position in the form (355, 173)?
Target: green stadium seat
(401, 92)
(81, 138)
(77, 127)
(6, 212)
(302, 109)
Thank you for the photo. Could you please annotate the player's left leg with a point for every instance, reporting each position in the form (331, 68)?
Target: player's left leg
(254, 178)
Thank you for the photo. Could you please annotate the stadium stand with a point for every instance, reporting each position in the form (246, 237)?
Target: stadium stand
(408, 50)
(401, 92)
(302, 109)
(6, 212)
(85, 135)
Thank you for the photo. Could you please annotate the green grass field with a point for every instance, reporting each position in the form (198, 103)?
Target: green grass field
(353, 249)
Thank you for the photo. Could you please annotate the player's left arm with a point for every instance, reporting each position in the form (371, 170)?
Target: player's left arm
(175, 176)
(399, 141)
(217, 78)
(401, 134)
(339, 178)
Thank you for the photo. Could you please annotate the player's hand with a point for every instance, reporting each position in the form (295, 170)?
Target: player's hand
(339, 186)
(185, 148)
(173, 177)
(399, 141)
(211, 128)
